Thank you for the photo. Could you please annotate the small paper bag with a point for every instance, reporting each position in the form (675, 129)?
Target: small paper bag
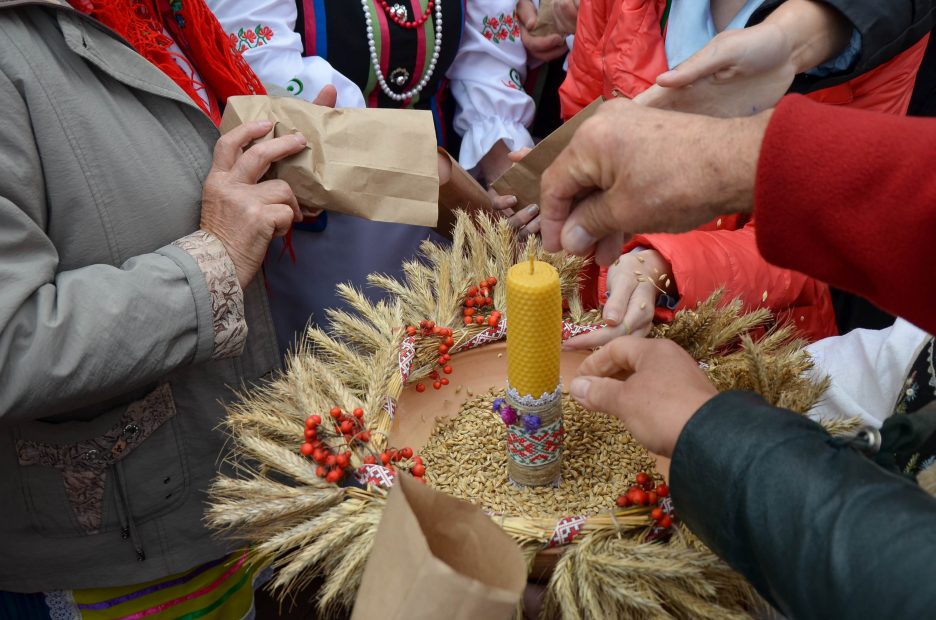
(545, 24)
(378, 164)
(523, 178)
(437, 557)
(457, 190)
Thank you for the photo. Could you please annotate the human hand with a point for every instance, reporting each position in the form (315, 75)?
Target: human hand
(242, 212)
(525, 221)
(327, 97)
(565, 15)
(634, 281)
(543, 48)
(632, 169)
(495, 162)
(651, 385)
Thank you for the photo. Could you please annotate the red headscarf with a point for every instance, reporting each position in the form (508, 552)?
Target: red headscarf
(207, 49)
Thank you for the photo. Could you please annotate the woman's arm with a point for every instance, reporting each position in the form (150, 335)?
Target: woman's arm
(264, 31)
(487, 77)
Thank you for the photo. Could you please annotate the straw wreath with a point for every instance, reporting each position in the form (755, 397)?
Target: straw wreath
(311, 530)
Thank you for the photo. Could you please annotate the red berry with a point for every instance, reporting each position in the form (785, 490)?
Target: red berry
(657, 513)
(469, 321)
(666, 522)
(342, 461)
(443, 348)
(444, 381)
(418, 470)
(347, 427)
(330, 460)
(309, 433)
(333, 476)
(622, 501)
(662, 490)
(369, 460)
(472, 291)
(479, 301)
(449, 342)
(395, 456)
(469, 303)
(420, 387)
(637, 496)
(319, 456)
(384, 458)
(313, 420)
(447, 357)
(364, 436)
(335, 412)
(491, 281)
(479, 320)
(359, 413)
(485, 292)
(306, 449)
(434, 374)
(436, 331)
(320, 471)
(430, 325)
(488, 301)
(447, 370)
(406, 453)
(492, 321)
(410, 331)
(423, 323)
(418, 459)
(437, 385)
(642, 478)
(652, 498)
(468, 311)
(441, 361)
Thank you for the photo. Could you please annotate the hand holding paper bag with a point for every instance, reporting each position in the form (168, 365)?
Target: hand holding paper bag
(438, 557)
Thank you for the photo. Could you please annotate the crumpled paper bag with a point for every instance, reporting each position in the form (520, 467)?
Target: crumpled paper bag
(378, 164)
(436, 557)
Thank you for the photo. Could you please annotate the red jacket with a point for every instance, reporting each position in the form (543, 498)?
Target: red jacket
(619, 50)
(849, 197)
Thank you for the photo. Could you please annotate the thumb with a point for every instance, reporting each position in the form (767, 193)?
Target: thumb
(589, 222)
(327, 97)
(599, 393)
(527, 14)
(703, 63)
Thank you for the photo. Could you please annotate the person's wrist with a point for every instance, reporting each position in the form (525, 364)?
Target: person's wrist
(816, 32)
(735, 161)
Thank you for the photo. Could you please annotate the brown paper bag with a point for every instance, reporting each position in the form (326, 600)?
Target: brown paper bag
(545, 24)
(523, 178)
(376, 164)
(437, 557)
(457, 190)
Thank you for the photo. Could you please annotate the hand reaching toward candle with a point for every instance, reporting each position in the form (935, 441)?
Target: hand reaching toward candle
(652, 385)
(635, 281)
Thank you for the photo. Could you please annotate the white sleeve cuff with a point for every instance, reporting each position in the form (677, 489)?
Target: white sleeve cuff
(483, 134)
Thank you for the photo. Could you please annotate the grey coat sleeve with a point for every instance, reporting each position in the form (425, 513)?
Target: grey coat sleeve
(70, 339)
(887, 28)
(818, 529)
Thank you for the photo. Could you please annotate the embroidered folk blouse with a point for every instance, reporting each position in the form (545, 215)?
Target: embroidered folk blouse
(304, 45)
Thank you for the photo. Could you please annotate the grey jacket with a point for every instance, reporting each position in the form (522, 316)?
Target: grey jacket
(122, 329)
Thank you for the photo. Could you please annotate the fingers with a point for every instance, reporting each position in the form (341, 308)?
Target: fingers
(527, 14)
(256, 160)
(708, 61)
(589, 222)
(517, 155)
(621, 356)
(228, 147)
(639, 315)
(533, 227)
(595, 339)
(565, 179)
(327, 97)
(601, 393)
(282, 217)
(502, 203)
(622, 287)
(276, 191)
(524, 217)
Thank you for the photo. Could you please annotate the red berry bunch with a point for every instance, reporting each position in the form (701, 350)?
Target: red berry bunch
(404, 459)
(647, 493)
(337, 427)
(428, 329)
(479, 304)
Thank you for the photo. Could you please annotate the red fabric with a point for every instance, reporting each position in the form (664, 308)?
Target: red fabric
(850, 197)
(207, 48)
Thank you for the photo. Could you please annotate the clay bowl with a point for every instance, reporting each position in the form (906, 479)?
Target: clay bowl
(475, 371)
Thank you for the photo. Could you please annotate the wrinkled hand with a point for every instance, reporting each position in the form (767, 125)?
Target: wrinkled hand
(738, 73)
(543, 48)
(652, 385)
(242, 212)
(565, 15)
(634, 281)
(525, 220)
(632, 169)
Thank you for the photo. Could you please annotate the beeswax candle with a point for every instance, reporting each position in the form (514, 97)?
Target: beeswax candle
(534, 328)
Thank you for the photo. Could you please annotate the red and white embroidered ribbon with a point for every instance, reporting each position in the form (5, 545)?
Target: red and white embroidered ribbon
(390, 406)
(377, 475)
(566, 530)
(406, 356)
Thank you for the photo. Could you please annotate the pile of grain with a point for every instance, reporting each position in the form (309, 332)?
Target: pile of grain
(466, 456)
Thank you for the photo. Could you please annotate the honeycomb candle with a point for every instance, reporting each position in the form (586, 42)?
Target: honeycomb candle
(532, 410)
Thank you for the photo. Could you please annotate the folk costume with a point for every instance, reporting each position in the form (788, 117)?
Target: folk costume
(463, 61)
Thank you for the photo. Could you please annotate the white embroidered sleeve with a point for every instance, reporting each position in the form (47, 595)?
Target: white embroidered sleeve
(264, 31)
(487, 81)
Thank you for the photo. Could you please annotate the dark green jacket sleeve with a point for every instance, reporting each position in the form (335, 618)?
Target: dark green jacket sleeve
(819, 530)
(887, 28)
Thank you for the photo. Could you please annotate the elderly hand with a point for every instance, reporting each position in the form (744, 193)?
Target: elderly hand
(565, 15)
(631, 169)
(652, 385)
(242, 212)
(634, 282)
(544, 48)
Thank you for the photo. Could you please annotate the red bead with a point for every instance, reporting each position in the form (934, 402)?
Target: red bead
(420, 387)
(306, 449)
(666, 522)
(437, 385)
(358, 413)
(447, 370)
(444, 381)
(418, 470)
(662, 490)
(406, 453)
